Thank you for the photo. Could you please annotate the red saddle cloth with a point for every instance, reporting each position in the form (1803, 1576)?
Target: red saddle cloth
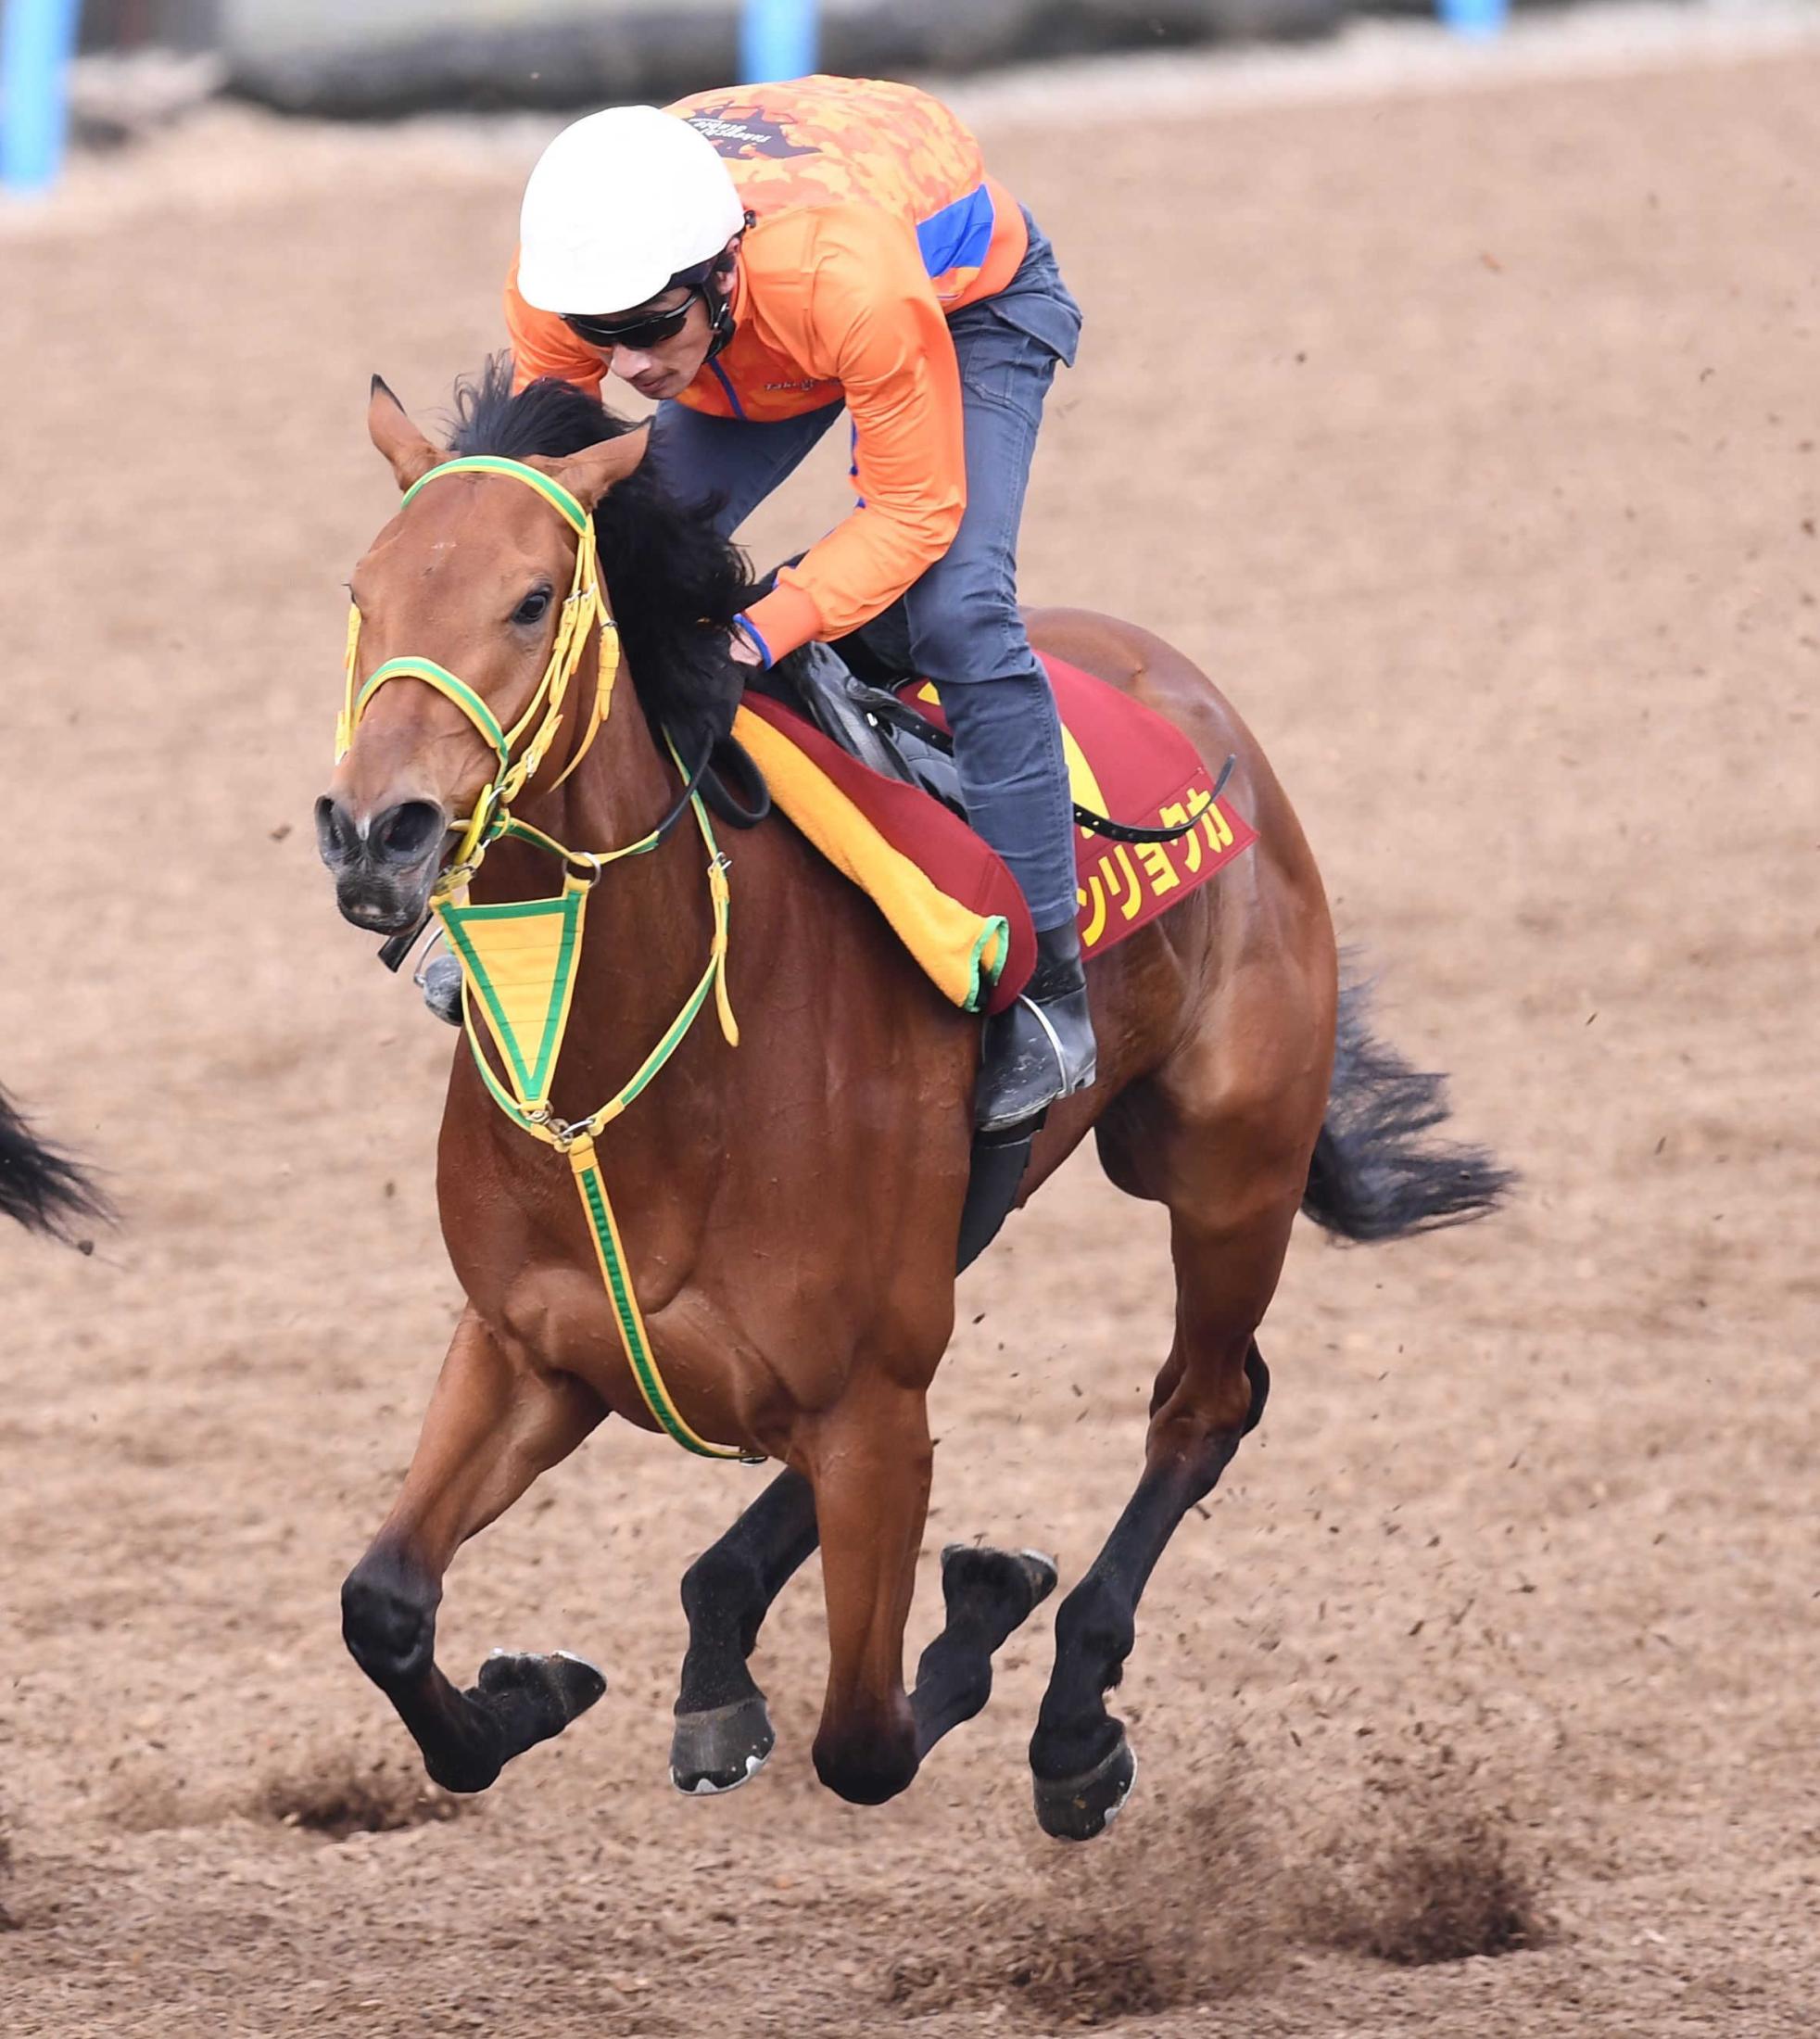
(1125, 761)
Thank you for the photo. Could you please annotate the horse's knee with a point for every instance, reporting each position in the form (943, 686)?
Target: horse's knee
(389, 1619)
(865, 1765)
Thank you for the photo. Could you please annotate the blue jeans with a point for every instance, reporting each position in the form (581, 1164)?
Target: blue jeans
(965, 630)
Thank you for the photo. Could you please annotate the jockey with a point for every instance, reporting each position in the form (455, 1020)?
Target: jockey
(759, 260)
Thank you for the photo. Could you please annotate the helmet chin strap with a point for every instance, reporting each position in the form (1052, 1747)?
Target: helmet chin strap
(719, 302)
(720, 319)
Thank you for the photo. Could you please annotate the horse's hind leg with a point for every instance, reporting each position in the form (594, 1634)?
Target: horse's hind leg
(490, 1429)
(723, 1731)
(1209, 1394)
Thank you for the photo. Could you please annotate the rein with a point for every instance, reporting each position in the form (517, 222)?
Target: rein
(519, 959)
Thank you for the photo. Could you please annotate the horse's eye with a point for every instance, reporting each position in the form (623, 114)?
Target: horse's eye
(534, 607)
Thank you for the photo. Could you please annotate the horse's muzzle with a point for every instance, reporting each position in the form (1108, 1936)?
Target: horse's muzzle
(385, 866)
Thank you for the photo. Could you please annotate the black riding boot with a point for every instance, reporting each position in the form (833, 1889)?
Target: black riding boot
(1041, 1047)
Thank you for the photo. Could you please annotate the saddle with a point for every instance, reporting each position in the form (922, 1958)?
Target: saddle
(848, 689)
(862, 696)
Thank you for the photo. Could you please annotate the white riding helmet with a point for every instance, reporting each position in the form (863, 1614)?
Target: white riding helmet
(617, 204)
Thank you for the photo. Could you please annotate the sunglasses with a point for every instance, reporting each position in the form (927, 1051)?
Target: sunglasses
(648, 329)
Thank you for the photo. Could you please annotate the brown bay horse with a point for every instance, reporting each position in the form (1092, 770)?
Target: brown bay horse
(790, 1207)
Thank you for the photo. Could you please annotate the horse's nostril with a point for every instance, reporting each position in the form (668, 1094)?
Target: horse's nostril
(334, 831)
(409, 829)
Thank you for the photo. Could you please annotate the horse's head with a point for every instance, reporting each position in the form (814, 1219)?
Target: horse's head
(480, 592)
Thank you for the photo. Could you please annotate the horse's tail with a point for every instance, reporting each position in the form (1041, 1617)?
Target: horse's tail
(44, 1189)
(1373, 1175)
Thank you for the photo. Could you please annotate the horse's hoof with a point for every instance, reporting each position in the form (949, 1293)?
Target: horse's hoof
(563, 1674)
(1023, 1579)
(541, 1694)
(1040, 1569)
(516, 1701)
(721, 1748)
(1077, 1808)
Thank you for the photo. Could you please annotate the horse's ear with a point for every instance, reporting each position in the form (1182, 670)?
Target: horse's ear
(411, 454)
(588, 475)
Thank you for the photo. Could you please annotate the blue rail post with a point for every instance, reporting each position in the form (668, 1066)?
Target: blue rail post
(37, 41)
(1479, 21)
(776, 40)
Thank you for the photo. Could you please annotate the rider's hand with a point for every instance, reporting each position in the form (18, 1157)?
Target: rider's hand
(745, 652)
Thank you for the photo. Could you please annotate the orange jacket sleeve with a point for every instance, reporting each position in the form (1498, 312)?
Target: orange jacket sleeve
(852, 300)
(542, 345)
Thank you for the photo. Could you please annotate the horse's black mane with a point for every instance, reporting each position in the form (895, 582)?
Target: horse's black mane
(673, 582)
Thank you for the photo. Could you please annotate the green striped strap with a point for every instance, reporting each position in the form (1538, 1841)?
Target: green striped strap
(552, 492)
(665, 1049)
(445, 683)
(581, 860)
(625, 1310)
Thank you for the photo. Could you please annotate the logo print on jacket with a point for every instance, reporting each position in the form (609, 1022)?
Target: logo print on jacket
(744, 131)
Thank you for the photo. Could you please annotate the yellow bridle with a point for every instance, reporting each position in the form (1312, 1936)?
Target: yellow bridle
(583, 608)
(519, 961)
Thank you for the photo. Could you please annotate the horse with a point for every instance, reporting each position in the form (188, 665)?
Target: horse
(791, 1205)
(41, 1187)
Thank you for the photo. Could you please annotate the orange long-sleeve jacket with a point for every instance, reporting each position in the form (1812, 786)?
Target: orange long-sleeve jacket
(874, 219)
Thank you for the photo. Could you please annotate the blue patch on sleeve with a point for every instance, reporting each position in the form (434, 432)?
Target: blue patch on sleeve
(958, 236)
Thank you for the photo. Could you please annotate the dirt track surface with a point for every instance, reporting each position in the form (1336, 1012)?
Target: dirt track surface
(1472, 445)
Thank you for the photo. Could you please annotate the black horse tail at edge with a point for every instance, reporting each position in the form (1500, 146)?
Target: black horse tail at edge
(41, 1187)
(1374, 1174)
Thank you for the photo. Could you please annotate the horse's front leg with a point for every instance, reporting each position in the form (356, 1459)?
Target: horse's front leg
(869, 1462)
(491, 1427)
(869, 1465)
